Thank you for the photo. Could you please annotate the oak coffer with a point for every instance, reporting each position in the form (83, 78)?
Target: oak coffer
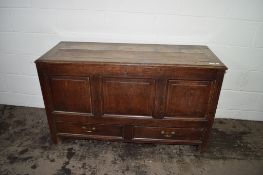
(145, 93)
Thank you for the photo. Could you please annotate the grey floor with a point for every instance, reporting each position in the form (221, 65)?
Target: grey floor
(236, 148)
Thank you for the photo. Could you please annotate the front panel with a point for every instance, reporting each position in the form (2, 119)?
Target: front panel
(70, 94)
(186, 98)
(128, 96)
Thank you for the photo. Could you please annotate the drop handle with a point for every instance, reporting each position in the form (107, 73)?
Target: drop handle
(89, 130)
(168, 134)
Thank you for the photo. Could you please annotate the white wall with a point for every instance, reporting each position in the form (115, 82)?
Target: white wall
(233, 29)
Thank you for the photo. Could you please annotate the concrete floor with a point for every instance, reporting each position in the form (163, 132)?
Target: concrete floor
(236, 148)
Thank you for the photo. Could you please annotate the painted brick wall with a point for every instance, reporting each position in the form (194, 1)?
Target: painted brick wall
(233, 29)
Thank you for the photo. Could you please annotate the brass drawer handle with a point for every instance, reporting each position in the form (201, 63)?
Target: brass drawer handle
(90, 130)
(168, 134)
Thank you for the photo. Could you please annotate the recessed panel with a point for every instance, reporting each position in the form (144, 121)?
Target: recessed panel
(124, 96)
(187, 98)
(71, 94)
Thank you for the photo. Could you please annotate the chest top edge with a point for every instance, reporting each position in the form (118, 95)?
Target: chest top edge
(132, 54)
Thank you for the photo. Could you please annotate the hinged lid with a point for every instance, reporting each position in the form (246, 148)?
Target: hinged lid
(120, 53)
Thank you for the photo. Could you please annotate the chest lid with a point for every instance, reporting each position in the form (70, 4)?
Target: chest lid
(120, 53)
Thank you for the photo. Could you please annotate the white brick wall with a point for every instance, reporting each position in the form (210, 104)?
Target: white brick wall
(233, 29)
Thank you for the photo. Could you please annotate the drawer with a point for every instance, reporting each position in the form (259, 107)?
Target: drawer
(161, 133)
(89, 129)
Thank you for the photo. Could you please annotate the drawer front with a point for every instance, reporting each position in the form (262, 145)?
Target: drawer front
(90, 129)
(161, 133)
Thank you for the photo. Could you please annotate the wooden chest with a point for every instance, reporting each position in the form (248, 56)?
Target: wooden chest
(131, 92)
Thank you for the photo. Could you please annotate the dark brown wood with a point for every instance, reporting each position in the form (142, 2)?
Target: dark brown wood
(125, 96)
(167, 133)
(131, 92)
(212, 105)
(187, 98)
(90, 129)
(131, 120)
(70, 94)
